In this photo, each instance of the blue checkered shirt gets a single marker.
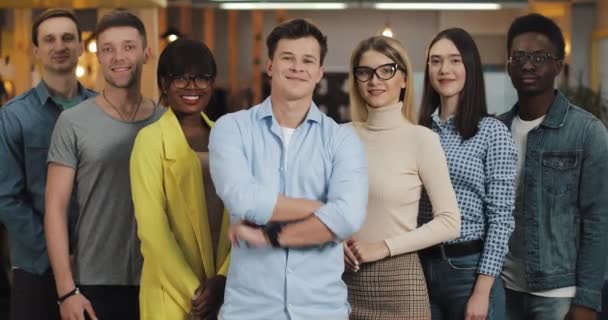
(482, 170)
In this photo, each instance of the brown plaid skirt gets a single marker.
(393, 288)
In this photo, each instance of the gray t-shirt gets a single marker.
(99, 147)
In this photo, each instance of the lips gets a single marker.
(375, 92)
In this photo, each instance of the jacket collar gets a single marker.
(556, 116)
(174, 140)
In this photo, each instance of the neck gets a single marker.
(123, 98)
(61, 85)
(190, 120)
(290, 114)
(534, 106)
(449, 106)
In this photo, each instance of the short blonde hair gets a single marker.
(395, 51)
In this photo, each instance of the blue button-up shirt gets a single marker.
(26, 124)
(326, 162)
(482, 171)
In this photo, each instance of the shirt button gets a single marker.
(290, 305)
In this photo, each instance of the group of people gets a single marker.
(119, 206)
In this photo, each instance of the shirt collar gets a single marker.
(437, 120)
(42, 91)
(314, 114)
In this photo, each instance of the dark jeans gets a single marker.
(525, 306)
(604, 314)
(451, 282)
(33, 297)
(113, 302)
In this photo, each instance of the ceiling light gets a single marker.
(283, 6)
(436, 6)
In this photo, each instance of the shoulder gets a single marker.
(492, 125)
(21, 104)
(422, 134)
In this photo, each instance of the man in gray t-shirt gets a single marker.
(89, 153)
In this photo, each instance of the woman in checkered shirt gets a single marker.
(463, 275)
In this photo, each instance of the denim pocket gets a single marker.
(464, 263)
(559, 172)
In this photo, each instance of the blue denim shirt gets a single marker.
(565, 202)
(26, 124)
(250, 168)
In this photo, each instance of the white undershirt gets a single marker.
(514, 273)
(286, 134)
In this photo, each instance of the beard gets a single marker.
(132, 80)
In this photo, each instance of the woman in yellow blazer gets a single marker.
(181, 222)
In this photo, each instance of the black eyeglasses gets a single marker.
(536, 59)
(182, 81)
(383, 72)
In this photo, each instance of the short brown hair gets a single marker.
(121, 18)
(54, 13)
(296, 29)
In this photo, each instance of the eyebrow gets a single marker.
(452, 55)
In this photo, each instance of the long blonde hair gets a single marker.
(395, 51)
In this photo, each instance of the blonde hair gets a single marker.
(395, 51)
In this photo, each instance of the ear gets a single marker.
(35, 50)
(404, 82)
(269, 67)
(559, 66)
(147, 54)
(81, 48)
(321, 73)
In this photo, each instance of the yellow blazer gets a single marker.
(172, 222)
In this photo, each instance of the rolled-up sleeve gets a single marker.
(344, 211)
(243, 196)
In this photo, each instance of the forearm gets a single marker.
(308, 232)
(56, 231)
(483, 284)
(293, 209)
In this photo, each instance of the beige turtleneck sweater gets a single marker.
(402, 159)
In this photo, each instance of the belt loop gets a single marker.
(442, 251)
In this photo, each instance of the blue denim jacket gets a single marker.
(26, 124)
(565, 202)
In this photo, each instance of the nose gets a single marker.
(443, 67)
(527, 64)
(296, 66)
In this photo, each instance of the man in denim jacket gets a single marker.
(557, 254)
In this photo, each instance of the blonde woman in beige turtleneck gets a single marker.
(384, 275)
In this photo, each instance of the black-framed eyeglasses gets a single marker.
(383, 72)
(182, 81)
(536, 59)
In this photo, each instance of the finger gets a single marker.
(349, 254)
(89, 310)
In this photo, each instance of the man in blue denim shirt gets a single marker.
(285, 165)
(26, 124)
(557, 254)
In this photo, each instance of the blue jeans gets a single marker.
(525, 306)
(450, 284)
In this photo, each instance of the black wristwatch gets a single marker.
(272, 231)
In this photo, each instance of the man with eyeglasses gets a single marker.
(295, 184)
(557, 253)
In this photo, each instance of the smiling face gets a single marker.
(121, 54)
(58, 45)
(377, 92)
(527, 78)
(295, 68)
(447, 72)
(186, 95)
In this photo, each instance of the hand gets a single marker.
(74, 307)
(477, 307)
(350, 260)
(206, 303)
(254, 237)
(369, 252)
(581, 313)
